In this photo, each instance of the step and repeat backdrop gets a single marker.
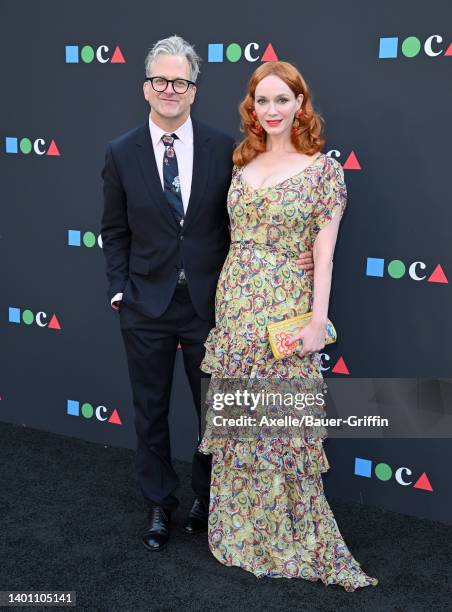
(72, 76)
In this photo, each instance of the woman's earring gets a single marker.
(296, 123)
(257, 126)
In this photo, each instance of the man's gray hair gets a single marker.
(174, 45)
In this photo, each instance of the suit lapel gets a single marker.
(201, 160)
(148, 165)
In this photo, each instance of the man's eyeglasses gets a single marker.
(160, 84)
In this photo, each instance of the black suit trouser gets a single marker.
(151, 346)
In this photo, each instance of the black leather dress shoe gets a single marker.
(197, 517)
(157, 533)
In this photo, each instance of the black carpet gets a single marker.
(71, 517)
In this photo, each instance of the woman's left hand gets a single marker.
(312, 337)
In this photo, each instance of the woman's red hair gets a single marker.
(308, 138)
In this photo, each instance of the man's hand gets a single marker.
(306, 263)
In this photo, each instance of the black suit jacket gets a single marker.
(142, 242)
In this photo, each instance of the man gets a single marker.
(165, 238)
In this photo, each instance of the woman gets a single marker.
(268, 513)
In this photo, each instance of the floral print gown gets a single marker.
(268, 512)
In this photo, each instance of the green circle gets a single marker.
(87, 410)
(25, 145)
(87, 54)
(28, 317)
(89, 239)
(234, 52)
(396, 268)
(411, 46)
(383, 471)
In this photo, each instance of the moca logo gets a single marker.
(340, 367)
(384, 472)
(234, 52)
(351, 163)
(397, 269)
(16, 315)
(411, 46)
(87, 410)
(26, 146)
(87, 53)
(88, 239)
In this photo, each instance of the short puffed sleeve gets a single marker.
(331, 195)
(235, 171)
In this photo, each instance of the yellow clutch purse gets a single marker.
(279, 332)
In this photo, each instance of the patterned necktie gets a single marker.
(171, 179)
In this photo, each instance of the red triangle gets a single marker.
(269, 54)
(179, 346)
(438, 276)
(340, 367)
(53, 149)
(423, 483)
(54, 324)
(449, 50)
(117, 57)
(352, 162)
(115, 418)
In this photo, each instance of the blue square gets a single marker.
(73, 237)
(215, 52)
(73, 407)
(10, 144)
(388, 47)
(71, 54)
(375, 266)
(363, 467)
(14, 315)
